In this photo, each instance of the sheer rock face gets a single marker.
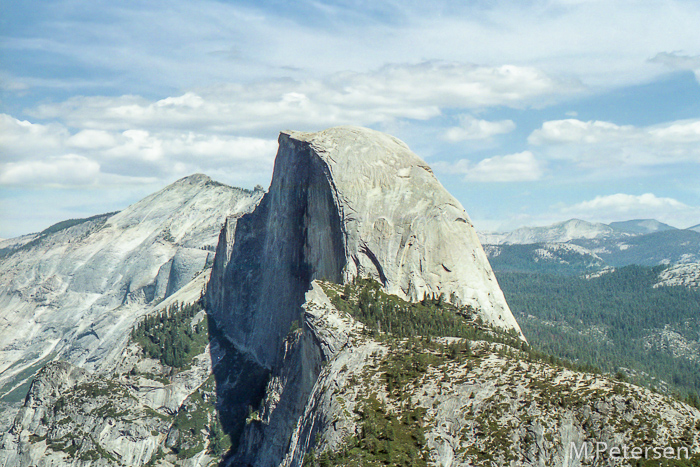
(345, 202)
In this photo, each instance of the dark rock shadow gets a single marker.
(239, 384)
(261, 273)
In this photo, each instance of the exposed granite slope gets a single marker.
(127, 415)
(74, 293)
(343, 202)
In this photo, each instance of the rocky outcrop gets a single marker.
(456, 403)
(680, 275)
(74, 291)
(292, 392)
(287, 375)
(132, 413)
(346, 202)
(72, 417)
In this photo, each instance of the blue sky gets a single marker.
(529, 112)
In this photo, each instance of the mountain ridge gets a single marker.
(59, 289)
(575, 229)
(640, 226)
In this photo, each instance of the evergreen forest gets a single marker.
(170, 336)
(617, 322)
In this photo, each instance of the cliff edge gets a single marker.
(344, 202)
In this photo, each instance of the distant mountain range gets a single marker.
(577, 246)
(623, 296)
(574, 229)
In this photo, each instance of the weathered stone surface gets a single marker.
(495, 403)
(292, 392)
(75, 293)
(685, 275)
(123, 415)
(344, 202)
(69, 410)
(399, 224)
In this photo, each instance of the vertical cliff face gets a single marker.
(344, 202)
(292, 237)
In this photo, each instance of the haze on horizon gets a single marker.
(529, 112)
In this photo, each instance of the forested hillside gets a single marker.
(617, 322)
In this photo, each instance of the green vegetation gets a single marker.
(63, 225)
(197, 422)
(170, 337)
(433, 316)
(521, 258)
(392, 430)
(607, 322)
(385, 438)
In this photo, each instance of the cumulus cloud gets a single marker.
(91, 139)
(600, 143)
(20, 138)
(47, 155)
(520, 167)
(621, 206)
(391, 92)
(229, 127)
(181, 153)
(579, 132)
(471, 128)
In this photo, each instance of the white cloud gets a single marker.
(392, 92)
(227, 129)
(676, 61)
(520, 167)
(70, 169)
(605, 144)
(623, 206)
(683, 132)
(44, 155)
(578, 132)
(174, 153)
(91, 139)
(20, 138)
(471, 128)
